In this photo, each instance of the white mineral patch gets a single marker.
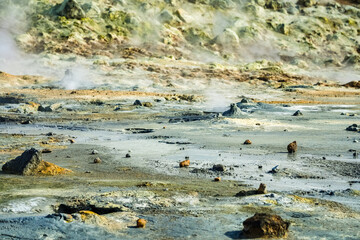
(32, 205)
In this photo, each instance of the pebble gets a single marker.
(128, 155)
(97, 160)
(141, 223)
(94, 152)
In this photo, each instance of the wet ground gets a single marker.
(317, 188)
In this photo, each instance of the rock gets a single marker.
(69, 9)
(25, 164)
(183, 15)
(94, 152)
(128, 155)
(233, 111)
(141, 223)
(292, 147)
(71, 140)
(217, 179)
(26, 122)
(184, 163)
(50, 108)
(97, 160)
(306, 3)
(30, 163)
(297, 113)
(166, 16)
(46, 150)
(227, 38)
(354, 128)
(283, 28)
(262, 189)
(264, 225)
(219, 167)
(247, 142)
(137, 103)
(147, 104)
(352, 84)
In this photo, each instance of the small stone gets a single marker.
(219, 167)
(26, 122)
(262, 189)
(247, 142)
(184, 163)
(97, 160)
(260, 167)
(217, 179)
(137, 103)
(46, 150)
(71, 140)
(94, 152)
(147, 104)
(292, 147)
(141, 223)
(264, 225)
(298, 113)
(128, 155)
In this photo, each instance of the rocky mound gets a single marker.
(234, 111)
(30, 163)
(323, 33)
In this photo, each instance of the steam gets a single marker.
(76, 78)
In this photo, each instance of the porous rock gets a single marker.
(264, 225)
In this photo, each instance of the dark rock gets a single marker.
(128, 155)
(46, 150)
(298, 113)
(262, 189)
(219, 167)
(354, 128)
(233, 111)
(69, 9)
(292, 147)
(264, 225)
(25, 164)
(247, 142)
(137, 103)
(306, 3)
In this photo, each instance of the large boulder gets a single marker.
(24, 164)
(264, 225)
(30, 163)
(69, 9)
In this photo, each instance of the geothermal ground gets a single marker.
(110, 96)
(316, 189)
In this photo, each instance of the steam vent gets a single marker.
(133, 119)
